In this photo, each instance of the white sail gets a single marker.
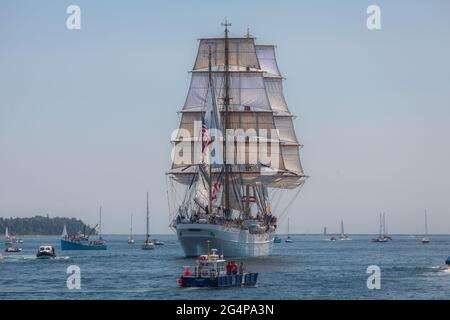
(267, 60)
(285, 126)
(6, 233)
(291, 159)
(245, 89)
(64, 233)
(131, 228)
(274, 89)
(241, 52)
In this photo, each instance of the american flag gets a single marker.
(206, 139)
(215, 189)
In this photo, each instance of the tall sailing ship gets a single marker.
(234, 119)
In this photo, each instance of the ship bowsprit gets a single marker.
(231, 242)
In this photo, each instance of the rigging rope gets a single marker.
(290, 202)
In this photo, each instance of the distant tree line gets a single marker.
(40, 225)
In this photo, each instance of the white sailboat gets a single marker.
(288, 239)
(343, 236)
(148, 243)
(130, 238)
(382, 237)
(425, 239)
(8, 239)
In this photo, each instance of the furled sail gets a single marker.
(241, 52)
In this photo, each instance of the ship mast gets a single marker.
(210, 172)
(226, 104)
(100, 224)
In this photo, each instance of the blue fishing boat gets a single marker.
(81, 241)
(215, 272)
(447, 262)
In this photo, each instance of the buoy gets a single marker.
(180, 282)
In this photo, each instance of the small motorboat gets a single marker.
(158, 243)
(333, 239)
(46, 252)
(215, 272)
(13, 249)
(277, 239)
(447, 262)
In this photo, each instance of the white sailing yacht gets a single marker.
(148, 243)
(130, 238)
(288, 239)
(425, 239)
(343, 236)
(382, 237)
(8, 239)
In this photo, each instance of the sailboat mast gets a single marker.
(342, 227)
(210, 172)
(426, 223)
(100, 223)
(148, 221)
(381, 225)
(131, 227)
(226, 104)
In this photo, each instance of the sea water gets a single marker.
(309, 268)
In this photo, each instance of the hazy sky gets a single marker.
(86, 116)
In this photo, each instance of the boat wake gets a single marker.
(30, 258)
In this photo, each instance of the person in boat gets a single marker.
(231, 267)
(241, 267)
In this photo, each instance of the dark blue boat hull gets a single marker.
(69, 245)
(234, 280)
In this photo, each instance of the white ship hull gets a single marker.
(230, 242)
